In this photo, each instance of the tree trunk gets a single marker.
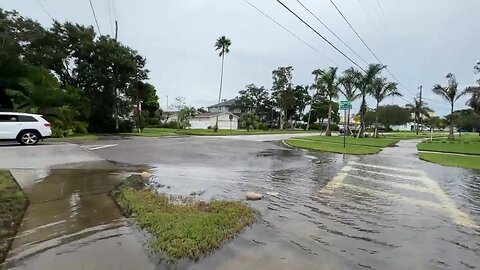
(363, 109)
(308, 121)
(376, 122)
(328, 132)
(416, 123)
(219, 94)
(450, 134)
(281, 119)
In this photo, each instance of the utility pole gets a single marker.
(421, 104)
(117, 124)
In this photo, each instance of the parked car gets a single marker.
(27, 129)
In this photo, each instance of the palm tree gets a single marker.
(419, 108)
(223, 45)
(326, 82)
(349, 82)
(365, 85)
(381, 89)
(451, 94)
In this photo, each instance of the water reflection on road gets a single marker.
(330, 212)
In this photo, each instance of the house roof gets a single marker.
(209, 115)
(229, 102)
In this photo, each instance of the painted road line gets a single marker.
(390, 196)
(337, 181)
(387, 168)
(459, 216)
(393, 184)
(102, 147)
(409, 178)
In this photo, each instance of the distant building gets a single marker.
(226, 120)
(171, 116)
(224, 106)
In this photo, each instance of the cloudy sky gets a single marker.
(420, 41)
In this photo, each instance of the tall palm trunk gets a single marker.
(280, 118)
(219, 94)
(363, 109)
(328, 132)
(376, 122)
(450, 134)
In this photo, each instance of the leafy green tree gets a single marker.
(349, 83)
(253, 99)
(474, 101)
(327, 84)
(419, 109)
(223, 45)
(451, 94)
(435, 122)
(282, 91)
(381, 89)
(249, 120)
(392, 115)
(365, 87)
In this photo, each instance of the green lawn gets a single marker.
(376, 142)
(447, 147)
(158, 132)
(466, 137)
(469, 162)
(12, 207)
(181, 227)
(333, 147)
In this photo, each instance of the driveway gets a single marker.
(387, 211)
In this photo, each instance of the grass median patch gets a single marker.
(325, 146)
(181, 227)
(451, 147)
(469, 162)
(13, 203)
(375, 142)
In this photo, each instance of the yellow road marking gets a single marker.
(337, 181)
(459, 216)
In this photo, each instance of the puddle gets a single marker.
(72, 223)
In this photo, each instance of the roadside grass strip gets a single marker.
(453, 160)
(181, 227)
(333, 147)
(422, 183)
(13, 204)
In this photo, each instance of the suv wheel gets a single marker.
(28, 138)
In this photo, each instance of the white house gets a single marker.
(224, 106)
(226, 120)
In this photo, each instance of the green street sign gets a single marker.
(345, 105)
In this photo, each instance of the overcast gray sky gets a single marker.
(420, 41)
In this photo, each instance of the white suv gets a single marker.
(24, 128)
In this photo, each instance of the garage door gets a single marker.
(226, 124)
(199, 124)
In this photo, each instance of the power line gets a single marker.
(331, 31)
(368, 47)
(45, 10)
(371, 20)
(320, 35)
(95, 16)
(290, 32)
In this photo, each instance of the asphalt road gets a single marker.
(387, 211)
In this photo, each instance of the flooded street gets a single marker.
(320, 210)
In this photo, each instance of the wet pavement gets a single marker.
(325, 211)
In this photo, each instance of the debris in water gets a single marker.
(252, 196)
(146, 175)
